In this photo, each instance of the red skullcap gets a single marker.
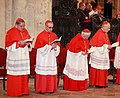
(19, 19)
(87, 3)
(86, 31)
(117, 15)
(104, 22)
(81, 3)
(47, 21)
(99, 7)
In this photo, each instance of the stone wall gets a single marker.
(2, 22)
(34, 12)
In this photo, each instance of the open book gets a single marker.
(115, 44)
(56, 40)
(29, 40)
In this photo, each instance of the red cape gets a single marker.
(14, 35)
(99, 39)
(78, 44)
(45, 38)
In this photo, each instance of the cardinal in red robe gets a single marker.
(76, 67)
(17, 63)
(46, 65)
(99, 59)
(117, 60)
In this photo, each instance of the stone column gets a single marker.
(2, 23)
(34, 12)
(8, 14)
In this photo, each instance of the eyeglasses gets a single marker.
(49, 27)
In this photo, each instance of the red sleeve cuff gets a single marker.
(17, 45)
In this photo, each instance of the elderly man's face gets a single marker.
(86, 35)
(21, 26)
(106, 27)
(49, 27)
(83, 7)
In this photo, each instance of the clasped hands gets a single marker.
(109, 46)
(84, 53)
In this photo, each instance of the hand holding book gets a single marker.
(115, 44)
(56, 40)
(54, 45)
(29, 40)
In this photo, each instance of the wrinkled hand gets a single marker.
(86, 17)
(21, 43)
(109, 46)
(84, 53)
(28, 44)
(54, 45)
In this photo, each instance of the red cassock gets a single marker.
(17, 85)
(45, 82)
(98, 77)
(76, 45)
(118, 69)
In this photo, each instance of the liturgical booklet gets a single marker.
(115, 44)
(56, 40)
(29, 40)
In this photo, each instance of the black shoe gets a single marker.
(41, 92)
(105, 86)
(91, 86)
(101, 86)
(51, 92)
